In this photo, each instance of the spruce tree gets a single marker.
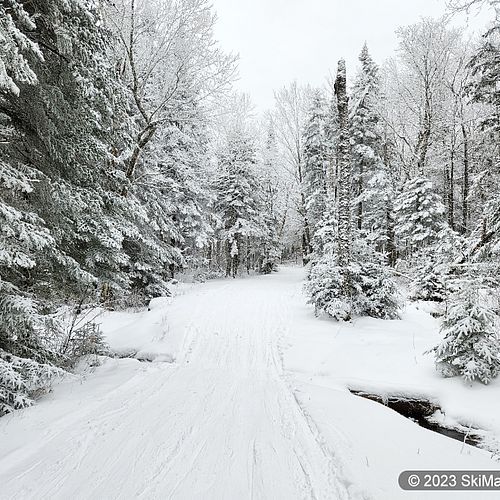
(349, 278)
(366, 141)
(16, 47)
(47, 87)
(429, 284)
(237, 202)
(419, 215)
(485, 67)
(372, 181)
(317, 155)
(273, 202)
(470, 347)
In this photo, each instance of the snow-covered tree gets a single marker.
(419, 214)
(54, 104)
(16, 48)
(274, 199)
(165, 50)
(317, 156)
(344, 230)
(365, 136)
(172, 184)
(470, 347)
(290, 115)
(237, 202)
(20, 377)
(371, 290)
(430, 283)
(485, 66)
(372, 181)
(348, 278)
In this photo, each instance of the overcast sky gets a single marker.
(282, 40)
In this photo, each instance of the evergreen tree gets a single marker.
(317, 154)
(348, 278)
(171, 183)
(16, 47)
(419, 214)
(372, 182)
(430, 283)
(274, 211)
(237, 202)
(371, 290)
(185, 168)
(365, 136)
(470, 346)
(50, 98)
(485, 66)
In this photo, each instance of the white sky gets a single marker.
(282, 40)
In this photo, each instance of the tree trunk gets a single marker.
(142, 140)
(344, 170)
(306, 236)
(451, 190)
(466, 181)
(359, 215)
(390, 231)
(449, 175)
(424, 135)
(229, 259)
(248, 255)
(391, 239)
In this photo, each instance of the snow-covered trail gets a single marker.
(219, 423)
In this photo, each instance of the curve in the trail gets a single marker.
(220, 423)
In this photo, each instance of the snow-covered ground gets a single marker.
(246, 397)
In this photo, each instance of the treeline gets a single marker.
(114, 173)
(126, 158)
(399, 177)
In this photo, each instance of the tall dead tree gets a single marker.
(344, 169)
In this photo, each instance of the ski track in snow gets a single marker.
(220, 423)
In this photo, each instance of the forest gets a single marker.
(126, 158)
(130, 162)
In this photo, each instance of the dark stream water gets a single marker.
(420, 411)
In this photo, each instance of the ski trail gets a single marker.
(220, 423)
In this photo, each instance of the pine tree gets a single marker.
(58, 228)
(470, 347)
(485, 66)
(419, 214)
(237, 202)
(330, 285)
(430, 284)
(185, 168)
(371, 290)
(372, 182)
(16, 47)
(366, 142)
(348, 278)
(317, 155)
(171, 184)
(273, 202)
(344, 235)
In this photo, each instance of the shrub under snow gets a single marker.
(471, 346)
(20, 378)
(429, 284)
(35, 347)
(364, 289)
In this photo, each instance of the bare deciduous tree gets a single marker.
(292, 103)
(167, 54)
